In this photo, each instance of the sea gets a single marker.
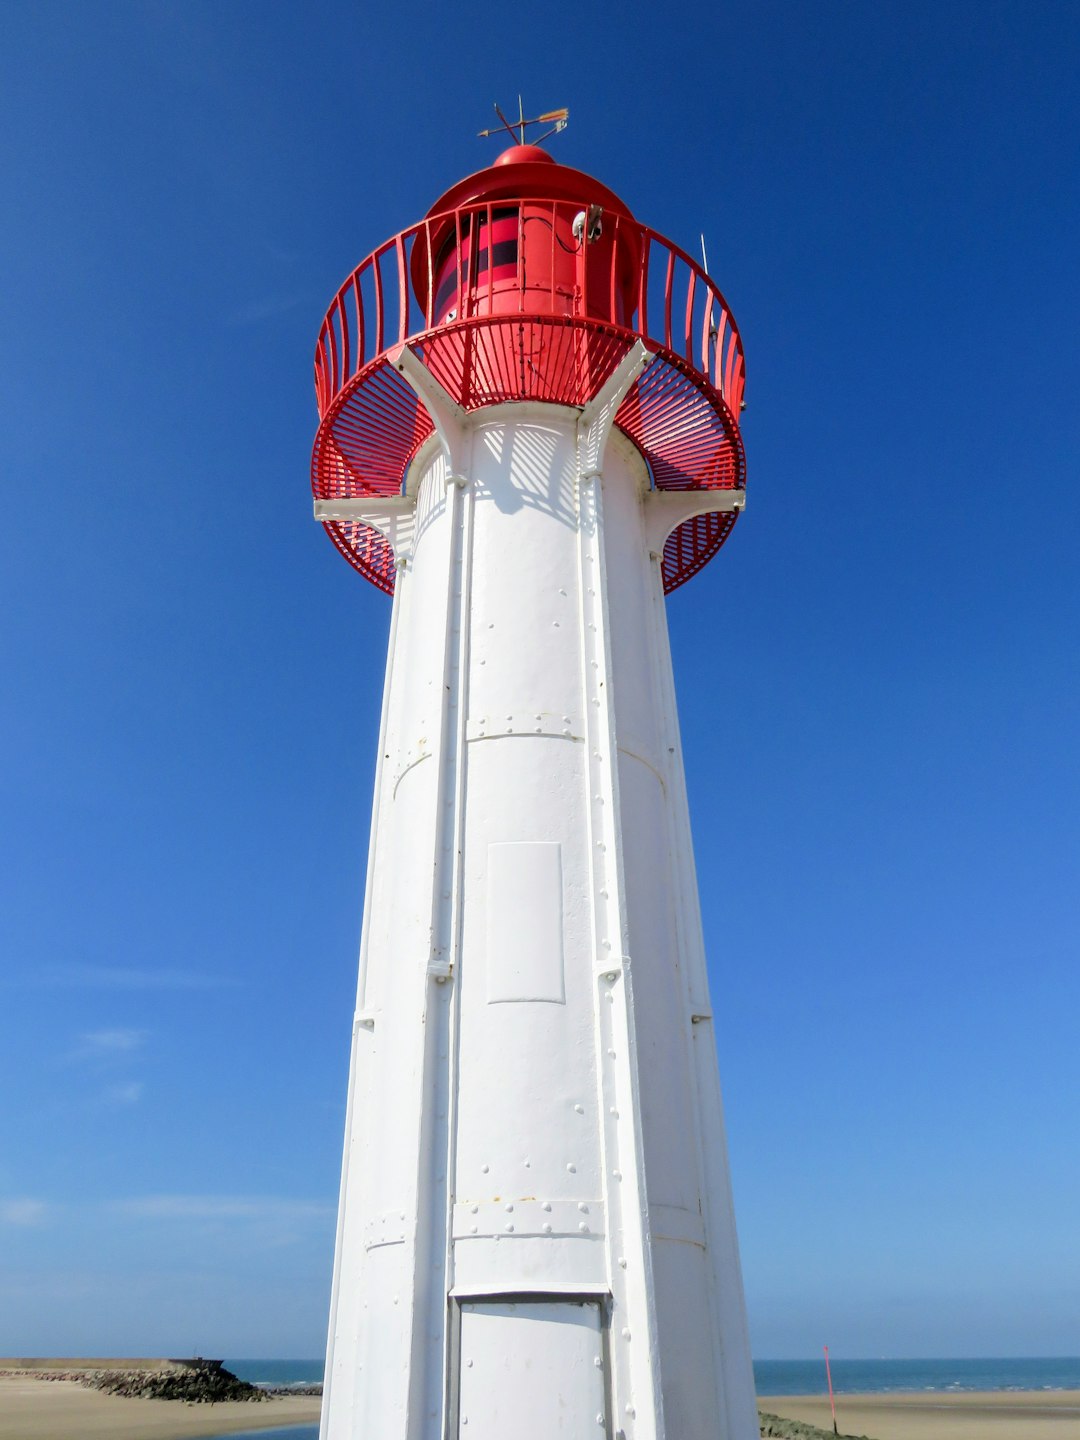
(773, 1377)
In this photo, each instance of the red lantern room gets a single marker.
(548, 257)
(529, 281)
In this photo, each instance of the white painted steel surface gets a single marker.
(534, 1107)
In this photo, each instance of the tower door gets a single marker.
(532, 1369)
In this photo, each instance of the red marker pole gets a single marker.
(832, 1399)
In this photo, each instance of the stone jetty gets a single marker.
(197, 1381)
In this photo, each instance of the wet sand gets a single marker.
(65, 1410)
(939, 1415)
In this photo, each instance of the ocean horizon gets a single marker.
(801, 1377)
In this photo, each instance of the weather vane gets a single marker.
(517, 128)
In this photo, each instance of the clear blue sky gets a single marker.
(878, 676)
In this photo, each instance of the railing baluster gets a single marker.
(613, 310)
(689, 325)
(585, 265)
(361, 335)
(335, 378)
(346, 354)
(321, 396)
(551, 266)
(706, 331)
(643, 285)
(429, 312)
(491, 257)
(738, 386)
(520, 256)
(376, 275)
(668, 282)
(716, 374)
(461, 270)
(403, 288)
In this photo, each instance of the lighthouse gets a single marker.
(529, 434)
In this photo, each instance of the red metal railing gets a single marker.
(529, 300)
(676, 307)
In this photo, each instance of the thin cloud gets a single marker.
(105, 1050)
(109, 977)
(104, 1044)
(221, 1207)
(22, 1212)
(265, 309)
(100, 1053)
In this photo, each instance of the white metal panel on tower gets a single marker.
(531, 1369)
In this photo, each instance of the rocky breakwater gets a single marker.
(196, 1382)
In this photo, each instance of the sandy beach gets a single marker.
(33, 1409)
(939, 1415)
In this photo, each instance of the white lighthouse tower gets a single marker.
(529, 433)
